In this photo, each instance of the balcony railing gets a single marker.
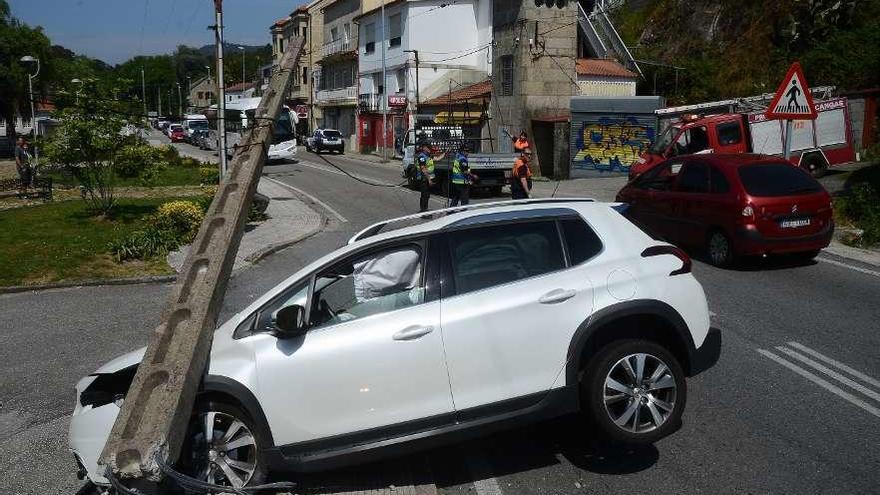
(371, 102)
(338, 46)
(342, 95)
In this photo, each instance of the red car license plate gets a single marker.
(794, 223)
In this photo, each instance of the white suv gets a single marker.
(434, 327)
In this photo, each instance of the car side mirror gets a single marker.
(289, 321)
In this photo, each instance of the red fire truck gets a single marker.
(815, 146)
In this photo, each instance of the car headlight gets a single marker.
(107, 388)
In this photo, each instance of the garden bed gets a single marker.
(63, 242)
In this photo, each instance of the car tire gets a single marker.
(642, 414)
(719, 249)
(209, 462)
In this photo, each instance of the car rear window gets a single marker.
(332, 134)
(777, 179)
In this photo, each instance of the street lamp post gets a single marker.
(34, 128)
(29, 59)
(241, 48)
(179, 101)
(77, 81)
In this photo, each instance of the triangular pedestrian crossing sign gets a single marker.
(793, 99)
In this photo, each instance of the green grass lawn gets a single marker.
(63, 242)
(171, 176)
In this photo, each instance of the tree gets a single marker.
(16, 41)
(87, 142)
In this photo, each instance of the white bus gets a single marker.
(240, 116)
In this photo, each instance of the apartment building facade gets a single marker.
(454, 46)
(299, 97)
(336, 65)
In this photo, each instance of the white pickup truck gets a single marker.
(492, 169)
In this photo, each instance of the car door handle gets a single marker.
(413, 332)
(557, 296)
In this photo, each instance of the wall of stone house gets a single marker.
(542, 43)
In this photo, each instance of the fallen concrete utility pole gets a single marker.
(157, 409)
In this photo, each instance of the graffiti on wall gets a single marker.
(611, 143)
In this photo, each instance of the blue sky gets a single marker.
(116, 30)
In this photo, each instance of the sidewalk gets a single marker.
(290, 221)
(600, 188)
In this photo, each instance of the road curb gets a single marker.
(274, 248)
(89, 283)
(864, 256)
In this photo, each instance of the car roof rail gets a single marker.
(428, 216)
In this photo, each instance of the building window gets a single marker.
(199, 95)
(401, 80)
(305, 75)
(346, 33)
(377, 83)
(506, 75)
(334, 34)
(281, 45)
(370, 38)
(395, 30)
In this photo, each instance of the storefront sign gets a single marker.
(396, 101)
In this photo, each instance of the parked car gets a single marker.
(200, 138)
(176, 133)
(162, 124)
(548, 307)
(326, 140)
(732, 205)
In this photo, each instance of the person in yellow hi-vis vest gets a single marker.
(425, 175)
(462, 178)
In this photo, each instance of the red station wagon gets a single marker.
(732, 205)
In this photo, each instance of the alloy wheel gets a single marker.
(719, 249)
(224, 450)
(640, 393)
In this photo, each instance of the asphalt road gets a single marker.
(793, 406)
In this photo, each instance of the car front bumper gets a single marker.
(88, 433)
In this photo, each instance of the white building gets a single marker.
(453, 41)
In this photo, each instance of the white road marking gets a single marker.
(837, 364)
(851, 267)
(833, 374)
(316, 200)
(852, 399)
(484, 482)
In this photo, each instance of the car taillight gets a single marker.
(674, 251)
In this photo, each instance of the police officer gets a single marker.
(461, 178)
(425, 175)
